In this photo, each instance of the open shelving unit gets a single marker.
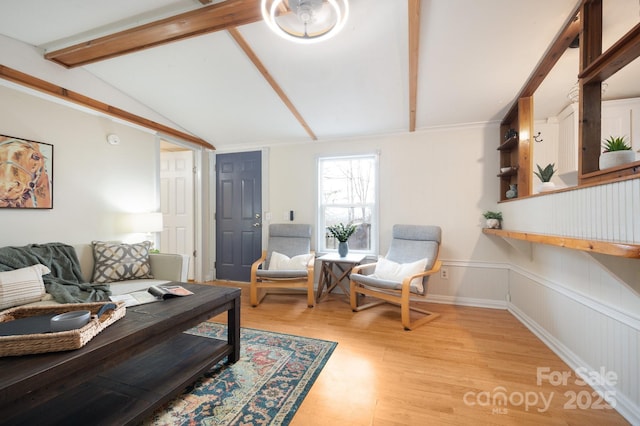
(515, 149)
(611, 248)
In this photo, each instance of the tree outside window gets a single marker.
(347, 188)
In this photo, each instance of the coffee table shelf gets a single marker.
(128, 370)
(126, 393)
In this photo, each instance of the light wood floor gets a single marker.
(446, 372)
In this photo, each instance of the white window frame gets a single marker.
(374, 207)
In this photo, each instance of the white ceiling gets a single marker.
(475, 55)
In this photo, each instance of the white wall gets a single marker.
(95, 183)
(442, 177)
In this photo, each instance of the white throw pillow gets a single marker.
(282, 262)
(389, 270)
(22, 286)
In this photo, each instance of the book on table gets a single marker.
(155, 293)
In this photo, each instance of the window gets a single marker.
(348, 194)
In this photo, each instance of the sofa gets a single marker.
(164, 268)
(83, 272)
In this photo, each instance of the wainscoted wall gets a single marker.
(480, 284)
(584, 333)
(604, 212)
(585, 307)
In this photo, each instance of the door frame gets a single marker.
(199, 195)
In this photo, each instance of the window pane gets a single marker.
(348, 181)
(347, 194)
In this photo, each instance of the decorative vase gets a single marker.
(343, 249)
(493, 223)
(547, 186)
(512, 192)
(616, 158)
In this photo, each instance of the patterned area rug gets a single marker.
(265, 387)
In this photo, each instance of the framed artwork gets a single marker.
(26, 174)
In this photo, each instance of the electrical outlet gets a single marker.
(444, 273)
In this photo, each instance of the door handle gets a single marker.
(258, 223)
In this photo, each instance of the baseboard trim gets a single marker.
(467, 301)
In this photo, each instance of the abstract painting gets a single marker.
(26, 174)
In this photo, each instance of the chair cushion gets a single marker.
(290, 230)
(393, 271)
(414, 242)
(281, 274)
(24, 285)
(290, 239)
(371, 281)
(280, 262)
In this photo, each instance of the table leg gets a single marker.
(323, 281)
(233, 331)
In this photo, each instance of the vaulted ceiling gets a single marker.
(242, 86)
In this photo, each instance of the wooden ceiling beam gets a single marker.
(414, 47)
(207, 19)
(272, 82)
(621, 54)
(51, 89)
(560, 44)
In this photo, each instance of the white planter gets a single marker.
(547, 186)
(616, 158)
(493, 223)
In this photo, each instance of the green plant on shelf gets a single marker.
(492, 215)
(545, 174)
(615, 144)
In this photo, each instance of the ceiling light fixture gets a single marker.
(305, 21)
(574, 92)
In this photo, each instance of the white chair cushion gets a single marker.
(393, 271)
(281, 262)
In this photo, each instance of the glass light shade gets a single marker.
(305, 21)
(146, 222)
(574, 92)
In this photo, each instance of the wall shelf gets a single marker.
(509, 144)
(630, 251)
(513, 171)
(515, 149)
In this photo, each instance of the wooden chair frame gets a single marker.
(402, 297)
(258, 285)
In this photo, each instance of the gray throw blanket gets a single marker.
(65, 282)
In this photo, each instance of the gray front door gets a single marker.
(238, 214)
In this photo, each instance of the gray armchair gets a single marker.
(292, 265)
(414, 250)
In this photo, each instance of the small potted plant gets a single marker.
(342, 232)
(494, 219)
(545, 176)
(616, 152)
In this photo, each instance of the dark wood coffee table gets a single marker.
(123, 374)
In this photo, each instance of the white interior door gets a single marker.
(177, 204)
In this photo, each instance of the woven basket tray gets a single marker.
(60, 341)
